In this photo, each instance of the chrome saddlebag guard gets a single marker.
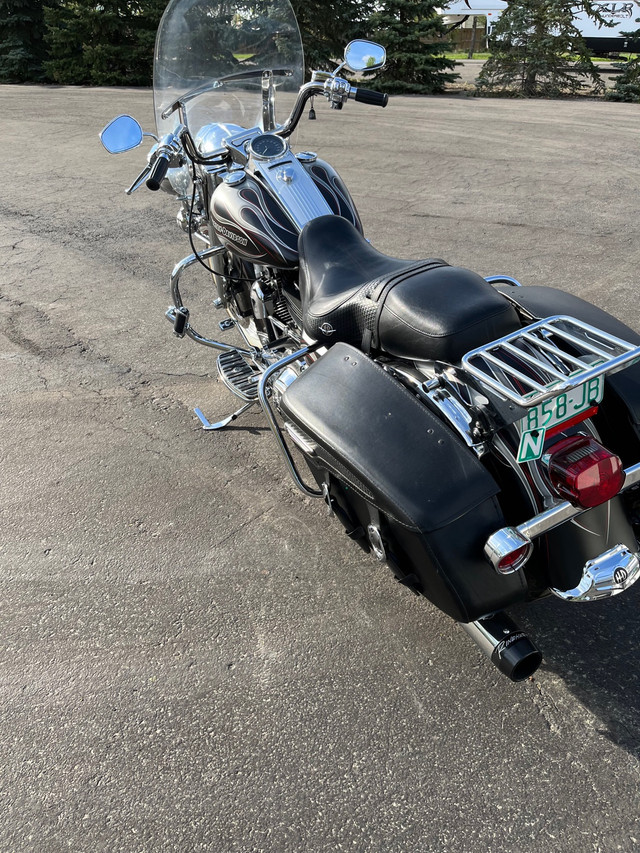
(435, 502)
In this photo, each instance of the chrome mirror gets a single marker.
(122, 134)
(362, 55)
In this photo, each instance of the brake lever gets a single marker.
(139, 180)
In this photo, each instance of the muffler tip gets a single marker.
(508, 648)
(516, 656)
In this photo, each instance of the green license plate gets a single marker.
(558, 410)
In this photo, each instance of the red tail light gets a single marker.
(514, 559)
(584, 472)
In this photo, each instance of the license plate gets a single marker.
(541, 419)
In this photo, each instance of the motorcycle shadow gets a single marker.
(251, 429)
(593, 648)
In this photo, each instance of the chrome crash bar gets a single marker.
(178, 315)
(263, 397)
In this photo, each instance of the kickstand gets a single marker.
(222, 424)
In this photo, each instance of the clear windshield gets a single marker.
(202, 42)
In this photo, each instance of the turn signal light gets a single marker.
(508, 550)
(514, 559)
(584, 472)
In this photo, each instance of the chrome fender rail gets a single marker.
(608, 574)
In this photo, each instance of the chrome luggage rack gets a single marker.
(544, 369)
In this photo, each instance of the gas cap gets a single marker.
(286, 175)
(234, 178)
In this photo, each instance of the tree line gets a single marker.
(536, 49)
(111, 42)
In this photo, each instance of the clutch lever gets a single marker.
(139, 180)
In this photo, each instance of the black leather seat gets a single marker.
(412, 309)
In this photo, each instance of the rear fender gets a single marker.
(569, 547)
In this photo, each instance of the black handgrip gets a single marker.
(158, 172)
(368, 96)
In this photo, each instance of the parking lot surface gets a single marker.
(193, 657)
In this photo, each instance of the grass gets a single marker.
(461, 56)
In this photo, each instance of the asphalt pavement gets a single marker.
(193, 657)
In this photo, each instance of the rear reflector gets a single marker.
(584, 472)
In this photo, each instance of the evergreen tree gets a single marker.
(537, 51)
(413, 34)
(627, 85)
(327, 26)
(22, 48)
(105, 44)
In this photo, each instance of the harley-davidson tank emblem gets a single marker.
(230, 235)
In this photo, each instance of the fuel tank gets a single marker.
(332, 187)
(259, 216)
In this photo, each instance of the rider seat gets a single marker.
(419, 310)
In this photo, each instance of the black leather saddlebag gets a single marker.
(618, 420)
(399, 467)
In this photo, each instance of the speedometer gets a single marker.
(268, 146)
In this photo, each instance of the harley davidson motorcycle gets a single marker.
(479, 437)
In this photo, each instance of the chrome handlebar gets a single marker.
(336, 90)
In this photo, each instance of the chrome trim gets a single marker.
(441, 393)
(234, 178)
(455, 413)
(295, 190)
(309, 90)
(223, 423)
(376, 542)
(548, 520)
(507, 279)
(189, 331)
(268, 102)
(337, 91)
(139, 181)
(238, 376)
(273, 423)
(486, 364)
(305, 444)
(280, 385)
(609, 574)
(260, 304)
(504, 542)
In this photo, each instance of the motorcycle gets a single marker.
(479, 437)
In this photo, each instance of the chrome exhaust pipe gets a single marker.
(505, 645)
